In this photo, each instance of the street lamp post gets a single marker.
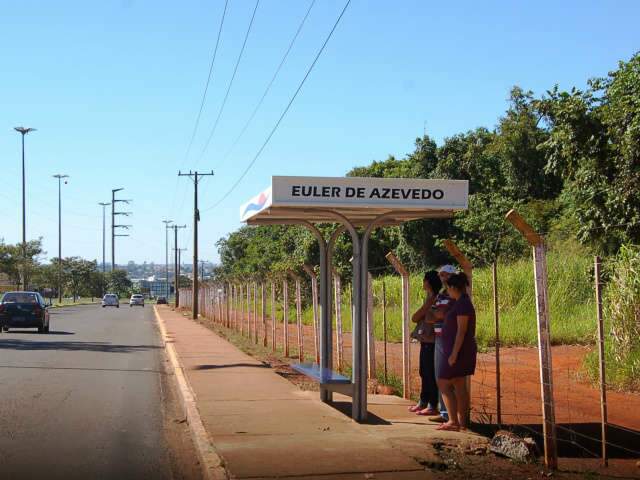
(23, 131)
(103, 205)
(166, 255)
(60, 178)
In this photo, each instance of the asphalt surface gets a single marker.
(85, 400)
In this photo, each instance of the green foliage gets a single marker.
(594, 143)
(14, 262)
(118, 282)
(622, 321)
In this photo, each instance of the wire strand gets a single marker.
(206, 87)
(273, 130)
(273, 78)
(233, 76)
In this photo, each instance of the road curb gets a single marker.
(211, 463)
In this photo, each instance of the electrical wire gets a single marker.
(202, 102)
(273, 78)
(206, 87)
(273, 130)
(233, 76)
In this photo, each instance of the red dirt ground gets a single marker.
(576, 400)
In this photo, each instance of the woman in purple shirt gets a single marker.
(457, 353)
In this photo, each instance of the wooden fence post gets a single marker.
(496, 317)
(241, 302)
(299, 317)
(273, 316)
(263, 318)
(601, 358)
(285, 309)
(338, 305)
(384, 327)
(406, 353)
(544, 337)
(371, 329)
(248, 319)
(314, 300)
(255, 312)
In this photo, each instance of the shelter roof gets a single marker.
(359, 199)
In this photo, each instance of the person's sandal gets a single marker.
(427, 412)
(448, 427)
(415, 408)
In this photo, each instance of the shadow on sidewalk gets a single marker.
(229, 365)
(345, 408)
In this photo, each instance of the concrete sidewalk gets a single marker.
(263, 426)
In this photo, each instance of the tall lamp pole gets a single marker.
(23, 131)
(104, 205)
(166, 255)
(60, 178)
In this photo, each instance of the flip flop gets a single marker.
(415, 408)
(427, 412)
(448, 427)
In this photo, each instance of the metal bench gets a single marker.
(328, 379)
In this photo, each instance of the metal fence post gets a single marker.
(544, 337)
(601, 358)
(371, 328)
(314, 300)
(338, 306)
(406, 353)
(285, 309)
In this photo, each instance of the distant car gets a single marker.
(161, 301)
(24, 310)
(136, 299)
(110, 300)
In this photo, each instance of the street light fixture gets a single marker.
(23, 131)
(60, 178)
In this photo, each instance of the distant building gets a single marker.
(153, 287)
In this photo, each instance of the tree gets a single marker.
(15, 263)
(594, 143)
(118, 282)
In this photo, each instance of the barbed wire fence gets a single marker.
(506, 388)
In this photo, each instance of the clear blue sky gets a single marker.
(114, 87)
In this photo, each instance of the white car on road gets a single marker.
(110, 300)
(136, 299)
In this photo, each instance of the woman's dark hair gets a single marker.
(432, 278)
(458, 281)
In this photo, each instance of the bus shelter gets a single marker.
(357, 205)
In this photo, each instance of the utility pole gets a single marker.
(166, 255)
(60, 177)
(23, 131)
(104, 231)
(176, 273)
(196, 177)
(202, 262)
(115, 200)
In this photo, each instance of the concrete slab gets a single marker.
(266, 417)
(307, 454)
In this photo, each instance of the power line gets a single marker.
(273, 78)
(255, 158)
(206, 87)
(233, 76)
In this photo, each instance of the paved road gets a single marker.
(86, 400)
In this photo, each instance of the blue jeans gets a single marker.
(443, 407)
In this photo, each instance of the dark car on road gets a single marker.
(24, 310)
(161, 301)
